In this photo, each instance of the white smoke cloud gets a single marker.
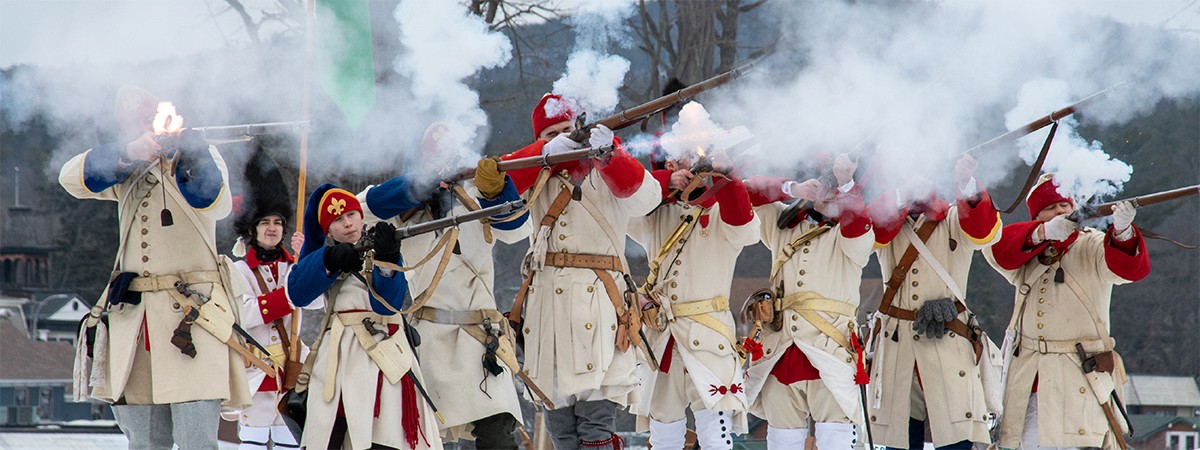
(695, 129)
(1082, 168)
(594, 75)
(911, 85)
(444, 45)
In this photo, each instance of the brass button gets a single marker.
(145, 273)
(587, 326)
(145, 231)
(1042, 290)
(264, 302)
(794, 329)
(768, 351)
(674, 284)
(145, 258)
(807, 243)
(720, 346)
(175, 306)
(968, 415)
(526, 331)
(914, 271)
(951, 334)
(801, 271)
(916, 337)
(563, 223)
(1041, 300)
(696, 343)
(590, 366)
(675, 272)
(795, 317)
(962, 373)
(1041, 313)
(591, 288)
(1045, 280)
(872, 418)
(914, 284)
(145, 244)
(849, 359)
(614, 327)
(1082, 390)
(145, 204)
(806, 251)
(145, 217)
(799, 284)
(915, 297)
(562, 237)
(1081, 432)
(679, 262)
(674, 297)
(557, 290)
(1041, 325)
(274, 338)
(265, 312)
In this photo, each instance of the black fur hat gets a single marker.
(264, 194)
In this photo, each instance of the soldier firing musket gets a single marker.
(1064, 277)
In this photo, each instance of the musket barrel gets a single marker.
(252, 129)
(541, 160)
(633, 115)
(1105, 209)
(449, 221)
(1042, 122)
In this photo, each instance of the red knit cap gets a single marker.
(335, 203)
(1045, 194)
(563, 111)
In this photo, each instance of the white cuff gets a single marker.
(970, 189)
(1125, 235)
(786, 187)
(846, 187)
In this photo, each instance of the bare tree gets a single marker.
(688, 40)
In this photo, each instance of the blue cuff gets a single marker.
(199, 178)
(390, 198)
(308, 279)
(102, 168)
(393, 289)
(508, 194)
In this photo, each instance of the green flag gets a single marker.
(348, 61)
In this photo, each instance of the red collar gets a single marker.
(253, 261)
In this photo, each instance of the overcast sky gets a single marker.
(61, 32)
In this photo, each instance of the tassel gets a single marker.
(239, 248)
(538, 248)
(860, 369)
(410, 419)
(754, 348)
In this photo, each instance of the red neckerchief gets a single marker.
(253, 261)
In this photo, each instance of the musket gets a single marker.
(193, 309)
(1105, 209)
(447, 222)
(543, 160)
(638, 113)
(1041, 122)
(225, 132)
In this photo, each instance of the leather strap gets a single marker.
(1045, 346)
(807, 304)
(556, 209)
(683, 229)
(957, 325)
(472, 205)
(711, 305)
(167, 282)
(788, 251)
(445, 244)
(584, 261)
(447, 317)
(900, 271)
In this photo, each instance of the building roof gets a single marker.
(1159, 390)
(1147, 425)
(29, 360)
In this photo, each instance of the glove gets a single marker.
(1122, 217)
(488, 177)
(807, 190)
(383, 239)
(342, 258)
(932, 317)
(1057, 229)
(601, 136)
(560, 144)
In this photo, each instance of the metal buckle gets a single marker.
(1042, 346)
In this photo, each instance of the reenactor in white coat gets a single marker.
(1064, 373)
(927, 337)
(455, 312)
(365, 385)
(808, 365)
(266, 312)
(577, 327)
(164, 392)
(693, 248)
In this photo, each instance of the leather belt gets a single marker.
(1045, 346)
(447, 317)
(701, 307)
(583, 261)
(167, 282)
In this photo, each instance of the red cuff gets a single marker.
(664, 179)
(766, 190)
(1129, 259)
(886, 216)
(853, 219)
(623, 174)
(274, 305)
(524, 179)
(1012, 250)
(981, 221)
(735, 203)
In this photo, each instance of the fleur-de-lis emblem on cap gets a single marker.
(336, 206)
